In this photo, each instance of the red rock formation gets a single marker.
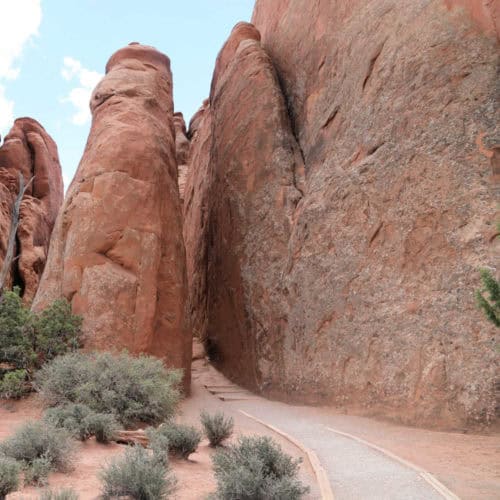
(362, 294)
(196, 204)
(117, 252)
(28, 149)
(181, 151)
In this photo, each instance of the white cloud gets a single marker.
(20, 20)
(6, 111)
(79, 96)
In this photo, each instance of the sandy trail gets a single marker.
(469, 465)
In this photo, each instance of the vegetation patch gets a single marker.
(217, 427)
(256, 469)
(133, 389)
(9, 476)
(178, 439)
(137, 475)
(82, 422)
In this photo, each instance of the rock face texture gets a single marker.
(117, 252)
(29, 150)
(339, 203)
(181, 151)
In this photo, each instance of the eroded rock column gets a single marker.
(117, 252)
(28, 149)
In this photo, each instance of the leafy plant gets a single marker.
(103, 426)
(490, 303)
(256, 469)
(28, 339)
(9, 476)
(133, 389)
(13, 384)
(137, 475)
(217, 427)
(181, 440)
(37, 440)
(82, 422)
(37, 472)
(56, 330)
(71, 417)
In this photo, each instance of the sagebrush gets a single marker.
(82, 422)
(137, 475)
(9, 476)
(133, 389)
(256, 468)
(181, 440)
(37, 440)
(217, 427)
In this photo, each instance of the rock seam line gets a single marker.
(320, 473)
(427, 476)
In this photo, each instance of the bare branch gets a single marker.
(14, 225)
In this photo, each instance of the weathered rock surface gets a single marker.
(353, 283)
(117, 252)
(181, 151)
(29, 150)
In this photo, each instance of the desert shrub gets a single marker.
(67, 494)
(158, 444)
(71, 417)
(217, 427)
(37, 472)
(490, 304)
(182, 440)
(15, 338)
(134, 389)
(138, 475)
(56, 330)
(13, 384)
(28, 339)
(256, 469)
(82, 422)
(9, 476)
(103, 426)
(36, 440)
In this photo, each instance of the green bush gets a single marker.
(103, 426)
(56, 330)
(9, 476)
(133, 389)
(217, 427)
(68, 494)
(15, 335)
(13, 384)
(158, 444)
(256, 469)
(182, 440)
(28, 339)
(36, 440)
(82, 422)
(491, 303)
(38, 471)
(137, 475)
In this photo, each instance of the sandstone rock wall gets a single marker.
(29, 150)
(181, 152)
(117, 252)
(340, 260)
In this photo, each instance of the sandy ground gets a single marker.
(467, 464)
(195, 477)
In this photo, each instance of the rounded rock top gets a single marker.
(144, 53)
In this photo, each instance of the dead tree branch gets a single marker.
(14, 225)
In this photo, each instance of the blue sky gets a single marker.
(52, 52)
